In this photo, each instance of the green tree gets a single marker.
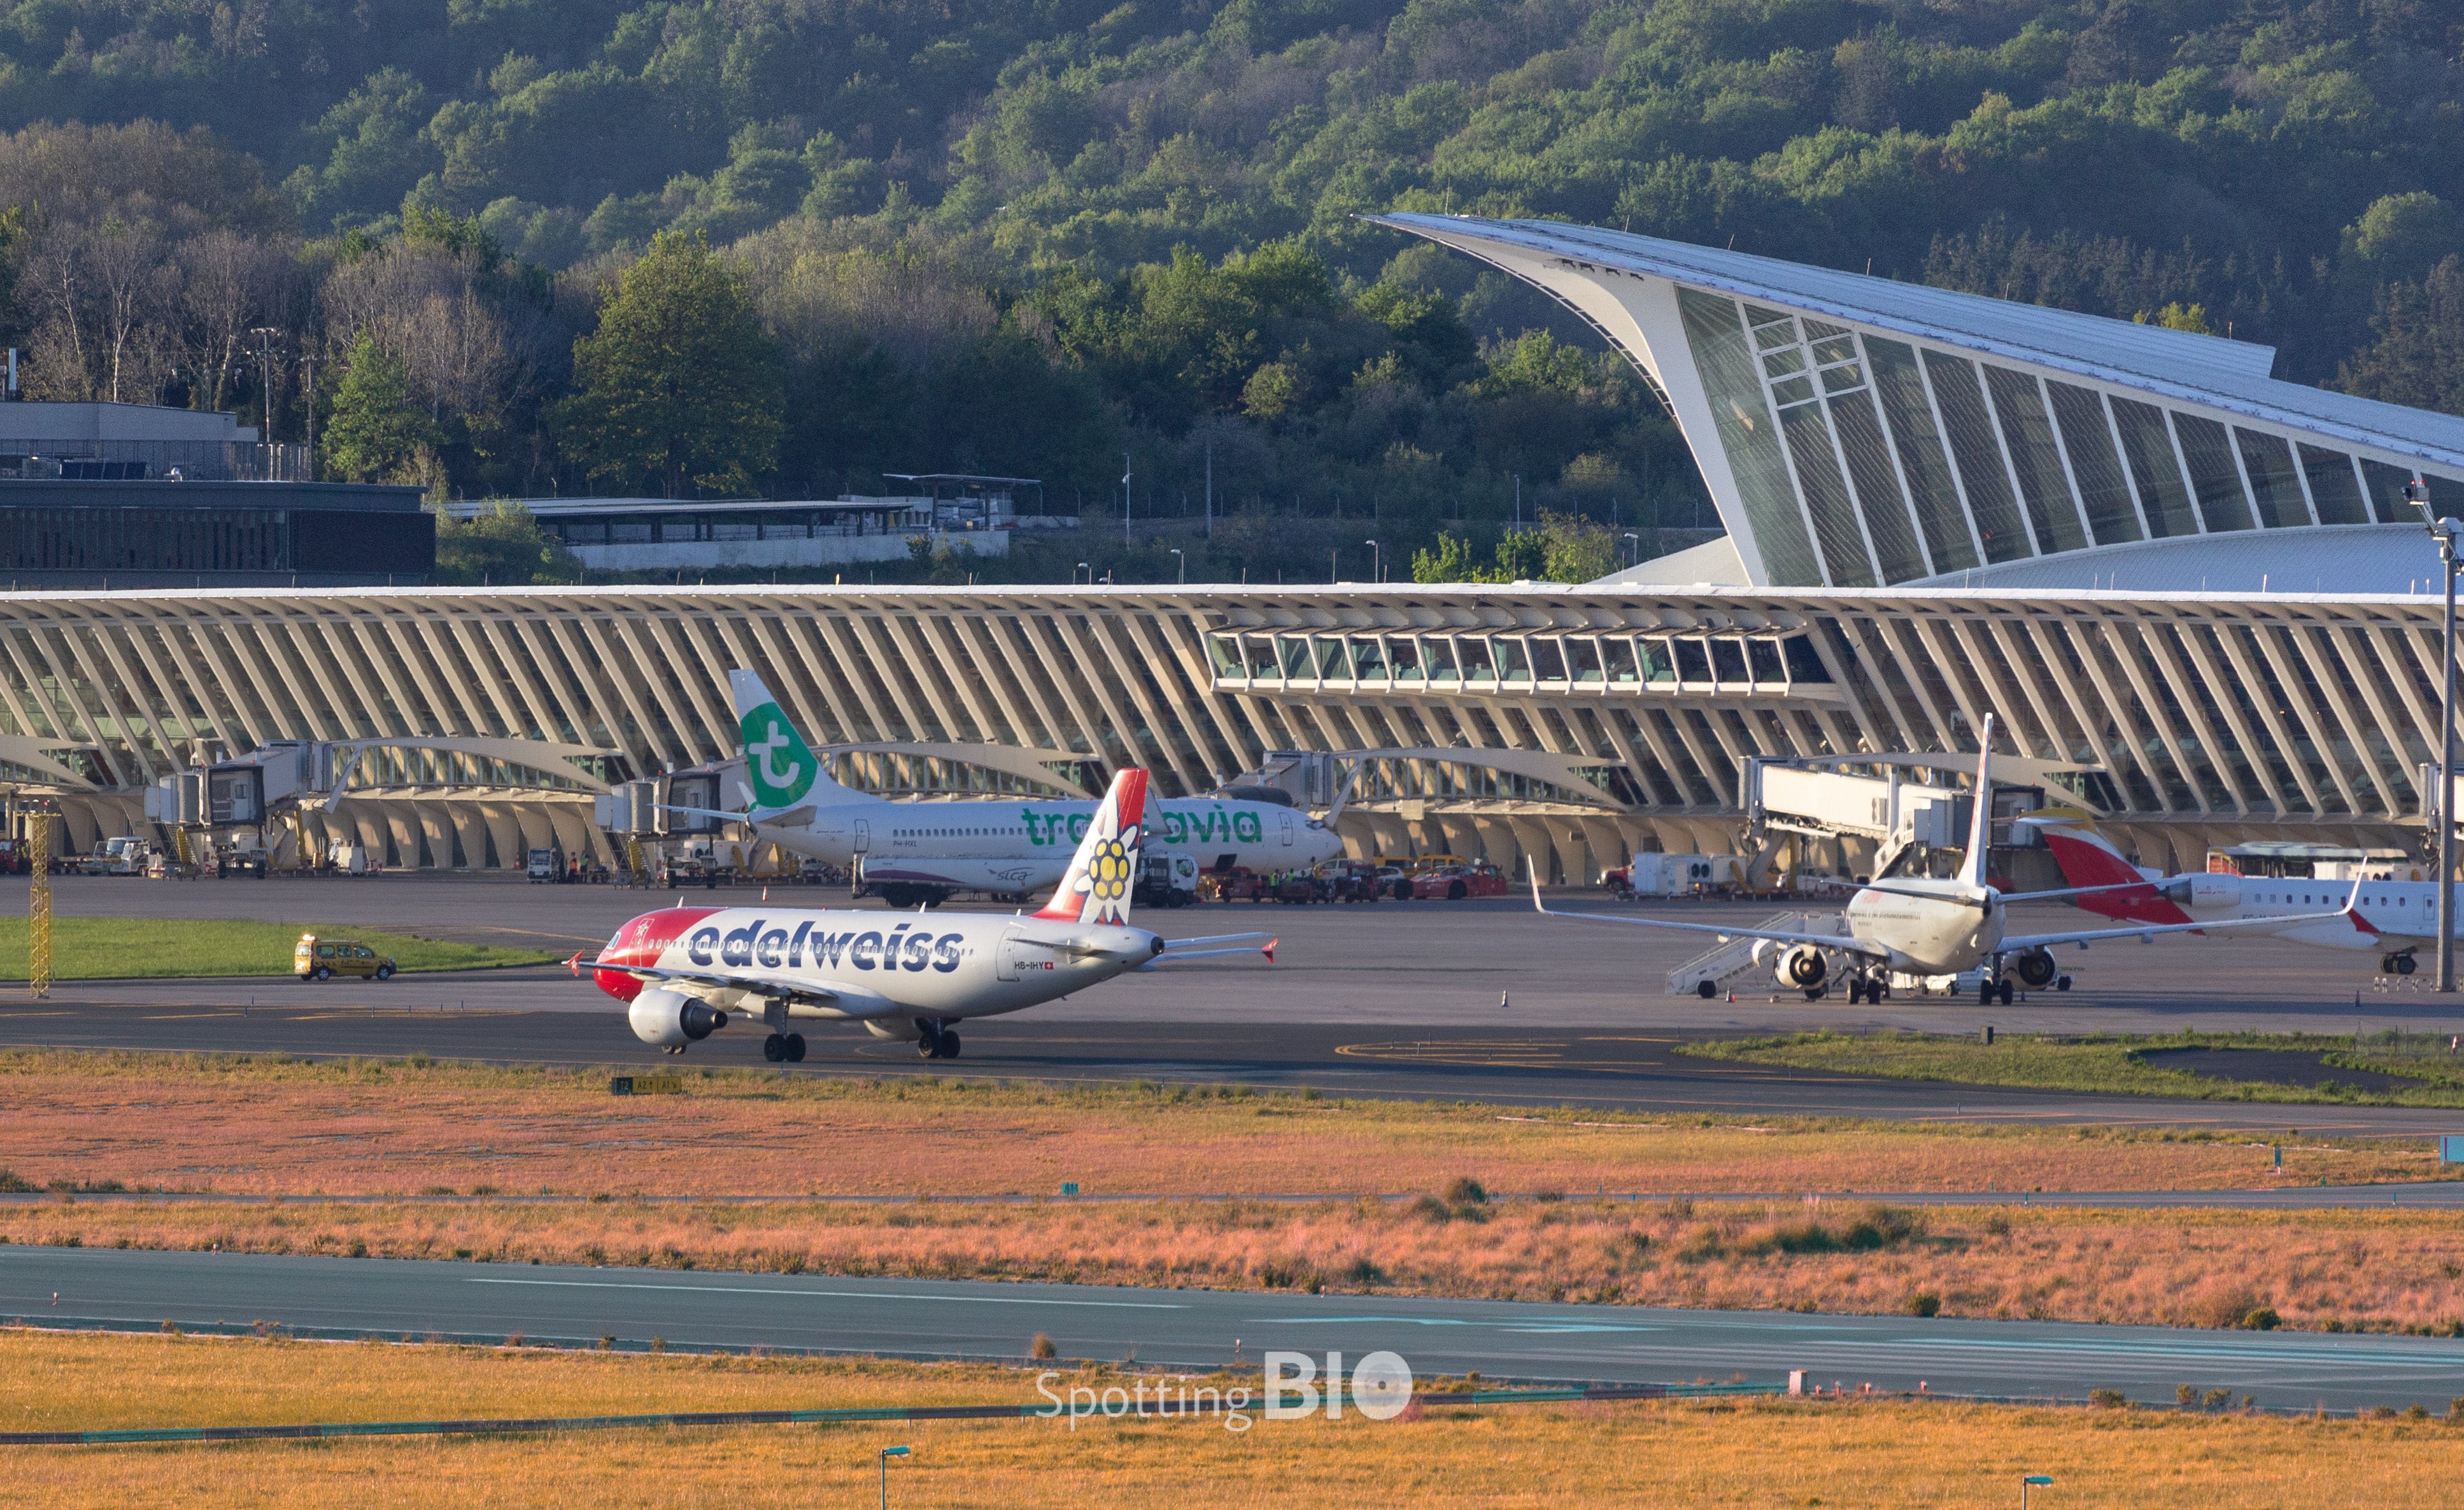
(2417, 357)
(679, 386)
(376, 432)
(1452, 561)
(502, 546)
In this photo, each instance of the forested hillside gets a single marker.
(1065, 239)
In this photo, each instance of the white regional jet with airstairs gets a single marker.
(1917, 926)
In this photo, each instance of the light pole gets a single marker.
(264, 335)
(1088, 570)
(1636, 536)
(2032, 1481)
(886, 1453)
(1183, 564)
(2446, 530)
(1125, 498)
(1376, 560)
(308, 375)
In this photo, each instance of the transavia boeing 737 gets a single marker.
(1921, 927)
(684, 972)
(922, 851)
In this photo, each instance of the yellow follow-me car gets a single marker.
(316, 958)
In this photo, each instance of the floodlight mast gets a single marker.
(2445, 530)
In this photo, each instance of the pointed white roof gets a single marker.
(2231, 375)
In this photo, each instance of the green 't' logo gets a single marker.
(782, 766)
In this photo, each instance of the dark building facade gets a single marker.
(59, 533)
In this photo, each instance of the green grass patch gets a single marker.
(151, 948)
(2114, 1063)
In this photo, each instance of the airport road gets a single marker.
(1200, 1329)
(1537, 1066)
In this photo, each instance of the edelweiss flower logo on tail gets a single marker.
(1097, 887)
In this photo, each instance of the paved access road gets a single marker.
(1620, 1069)
(1208, 1329)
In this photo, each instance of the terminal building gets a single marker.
(2190, 594)
(132, 496)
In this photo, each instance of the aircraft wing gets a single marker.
(1838, 941)
(856, 1001)
(2151, 929)
(1176, 946)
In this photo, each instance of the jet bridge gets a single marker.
(1899, 809)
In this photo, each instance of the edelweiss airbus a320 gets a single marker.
(685, 973)
(1921, 927)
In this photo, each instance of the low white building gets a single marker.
(969, 514)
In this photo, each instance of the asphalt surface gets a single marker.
(1523, 1067)
(2423, 1195)
(1477, 1000)
(1204, 1328)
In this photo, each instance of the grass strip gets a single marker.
(1210, 1402)
(2376, 1269)
(2108, 1063)
(163, 949)
(271, 1125)
(1761, 1451)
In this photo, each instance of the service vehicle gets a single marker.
(123, 856)
(1355, 880)
(1166, 881)
(314, 958)
(1455, 882)
(1235, 885)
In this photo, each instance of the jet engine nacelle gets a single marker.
(1803, 967)
(2204, 889)
(671, 1019)
(2033, 969)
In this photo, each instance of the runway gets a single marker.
(1509, 1066)
(1206, 1329)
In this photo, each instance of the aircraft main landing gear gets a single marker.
(936, 1042)
(786, 1046)
(2397, 964)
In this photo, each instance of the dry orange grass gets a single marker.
(2207, 1268)
(273, 1127)
(1764, 1454)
